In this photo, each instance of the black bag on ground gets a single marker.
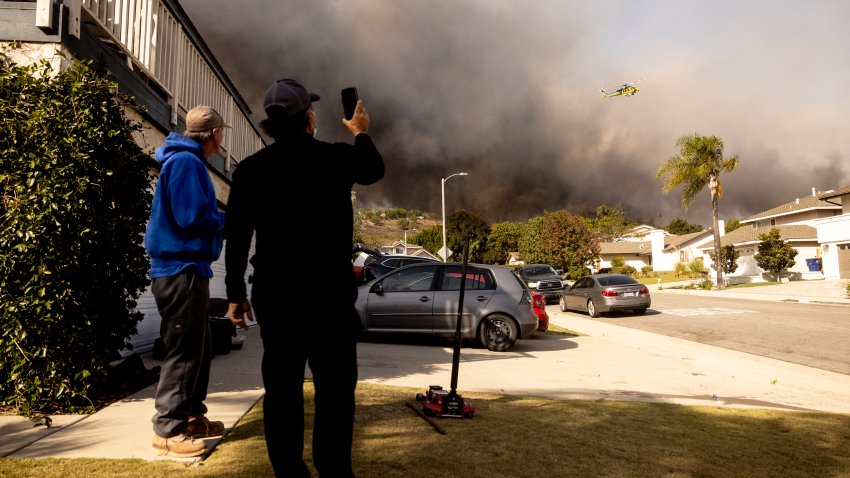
(222, 328)
(222, 334)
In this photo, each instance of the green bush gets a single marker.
(697, 267)
(76, 198)
(646, 271)
(576, 273)
(628, 270)
(846, 286)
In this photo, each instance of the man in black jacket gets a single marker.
(267, 197)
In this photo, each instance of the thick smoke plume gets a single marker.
(508, 91)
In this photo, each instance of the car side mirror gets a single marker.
(378, 289)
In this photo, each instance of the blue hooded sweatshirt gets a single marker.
(185, 228)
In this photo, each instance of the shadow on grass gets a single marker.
(516, 436)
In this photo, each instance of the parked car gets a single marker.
(597, 293)
(376, 266)
(544, 279)
(423, 299)
(539, 303)
(363, 253)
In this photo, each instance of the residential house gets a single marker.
(407, 249)
(650, 246)
(637, 254)
(514, 259)
(833, 233)
(797, 223)
(156, 55)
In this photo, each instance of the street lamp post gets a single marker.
(443, 195)
(405, 239)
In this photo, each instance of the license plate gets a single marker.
(630, 294)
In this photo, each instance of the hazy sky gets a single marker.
(508, 91)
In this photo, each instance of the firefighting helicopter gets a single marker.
(628, 89)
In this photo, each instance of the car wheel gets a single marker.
(591, 308)
(498, 333)
(563, 303)
(640, 311)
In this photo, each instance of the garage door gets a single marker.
(844, 261)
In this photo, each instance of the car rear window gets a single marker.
(413, 260)
(476, 279)
(616, 280)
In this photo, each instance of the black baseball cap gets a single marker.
(287, 98)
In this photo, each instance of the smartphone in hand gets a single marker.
(349, 101)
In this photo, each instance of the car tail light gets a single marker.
(538, 301)
(610, 293)
(644, 291)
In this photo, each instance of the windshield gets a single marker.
(539, 271)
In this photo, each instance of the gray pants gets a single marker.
(183, 302)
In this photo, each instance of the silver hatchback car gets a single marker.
(424, 299)
(599, 293)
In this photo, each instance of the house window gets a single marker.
(683, 256)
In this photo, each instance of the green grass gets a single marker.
(515, 436)
(556, 330)
(665, 278)
(751, 284)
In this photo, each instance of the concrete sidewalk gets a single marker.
(124, 429)
(807, 292)
(607, 362)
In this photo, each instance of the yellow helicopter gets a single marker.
(629, 89)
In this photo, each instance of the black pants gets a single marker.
(328, 344)
(183, 302)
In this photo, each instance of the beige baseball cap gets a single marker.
(203, 118)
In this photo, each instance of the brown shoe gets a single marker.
(202, 427)
(181, 446)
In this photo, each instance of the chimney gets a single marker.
(813, 192)
(721, 227)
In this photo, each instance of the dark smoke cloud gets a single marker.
(508, 92)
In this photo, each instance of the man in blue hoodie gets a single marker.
(184, 236)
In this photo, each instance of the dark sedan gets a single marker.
(599, 293)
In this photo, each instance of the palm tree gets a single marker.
(699, 163)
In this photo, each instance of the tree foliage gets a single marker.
(774, 254)
(699, 164)
(728, 258)
(75, 201)
(610, 222)
(680, 226)
(566, 242)
(504, 237)
(431, 239)
(529, 242)
(462, 224)
(357, 229)
(732, 224)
